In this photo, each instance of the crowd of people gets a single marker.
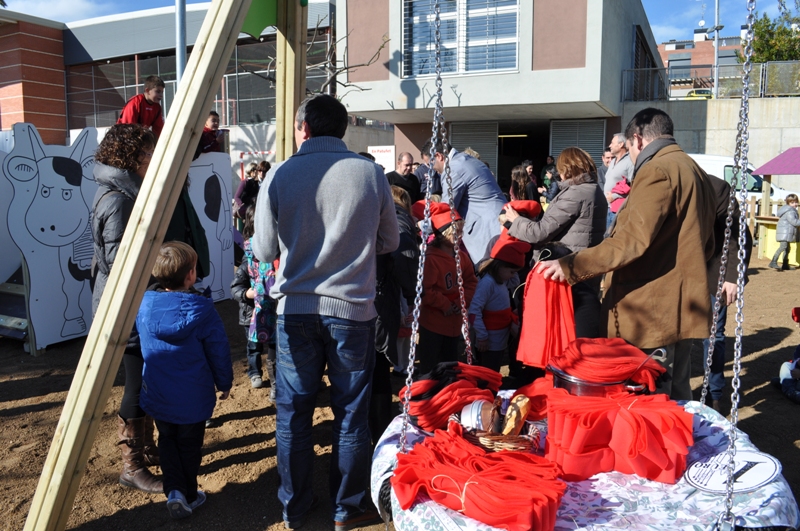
(327, 284)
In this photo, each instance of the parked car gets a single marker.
(722, 167)
(699, 94)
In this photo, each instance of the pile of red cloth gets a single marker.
(548, 323)
(633, 434)
(511, 490)
(446, 390)
(606, 360)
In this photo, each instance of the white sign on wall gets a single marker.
(384, 155)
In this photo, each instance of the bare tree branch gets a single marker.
(336, 70)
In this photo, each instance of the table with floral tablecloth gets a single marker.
(614, 500)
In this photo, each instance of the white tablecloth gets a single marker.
(614, 500)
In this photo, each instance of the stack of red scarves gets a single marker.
(644, 435)
(510, 490)
(548, 323)
(605, 360)
(446, 390)
(537, 395)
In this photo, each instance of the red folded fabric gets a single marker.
(471, 383)
(644, 435)
(509, 490)
(607, 360)
(548, 323)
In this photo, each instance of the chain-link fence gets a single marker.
(779, 78)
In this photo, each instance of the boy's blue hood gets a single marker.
(158, 310)
(784, 209)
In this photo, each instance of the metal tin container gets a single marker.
(578, 387)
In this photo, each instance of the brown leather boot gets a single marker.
(134, 472)
(150, 448)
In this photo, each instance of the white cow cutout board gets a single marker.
(46, 195)
(48, 219)
(209, 189)
(9, 260)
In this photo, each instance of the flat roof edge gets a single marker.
(204, 6)
(13, 17)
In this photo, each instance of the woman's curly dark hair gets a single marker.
(122, 146)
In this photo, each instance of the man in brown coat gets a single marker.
(663, 238)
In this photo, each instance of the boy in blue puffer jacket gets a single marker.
(186, 355)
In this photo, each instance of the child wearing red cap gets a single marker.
(490, 311)
(440, 315)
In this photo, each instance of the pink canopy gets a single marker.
(787, 163)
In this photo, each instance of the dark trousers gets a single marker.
(586, 303)
(491, 359)
(180, 448)
(134, 363)
(254, 351)
(434, 348)
(380, 405)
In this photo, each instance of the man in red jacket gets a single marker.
(145, 109)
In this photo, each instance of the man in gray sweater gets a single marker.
(327, 213)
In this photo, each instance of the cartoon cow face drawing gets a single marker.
(49, 221)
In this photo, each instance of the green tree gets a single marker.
(775, 39)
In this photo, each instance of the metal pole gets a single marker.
(716, 49)
(180, 39)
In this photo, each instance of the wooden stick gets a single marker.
(282, 152)
(291, 72)
(94, 376)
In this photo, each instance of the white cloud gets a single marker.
(62, 11)
(666, 32)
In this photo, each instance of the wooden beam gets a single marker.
(766, 208)
(291, 72)
(94, 375)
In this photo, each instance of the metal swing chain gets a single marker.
(456, 247)
(727, 520)
(438, 126)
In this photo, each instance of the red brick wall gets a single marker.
(32, 79)
(702, 53)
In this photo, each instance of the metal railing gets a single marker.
(778, 78)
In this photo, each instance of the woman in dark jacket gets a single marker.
(122, 160)
(574, 220)
(396, 277)
(247, 192)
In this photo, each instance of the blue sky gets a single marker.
(669, 19)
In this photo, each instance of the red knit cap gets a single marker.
(440, 216)
(510, 250)
(526, 209)
(418, 210)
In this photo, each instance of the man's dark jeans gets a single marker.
(306, 344)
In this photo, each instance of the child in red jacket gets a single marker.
(145, 109)
(440, 317)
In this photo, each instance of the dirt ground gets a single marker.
(239, 466)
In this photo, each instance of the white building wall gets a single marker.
(511, 95)
(711, 126)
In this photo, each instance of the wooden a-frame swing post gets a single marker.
(94, 375)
